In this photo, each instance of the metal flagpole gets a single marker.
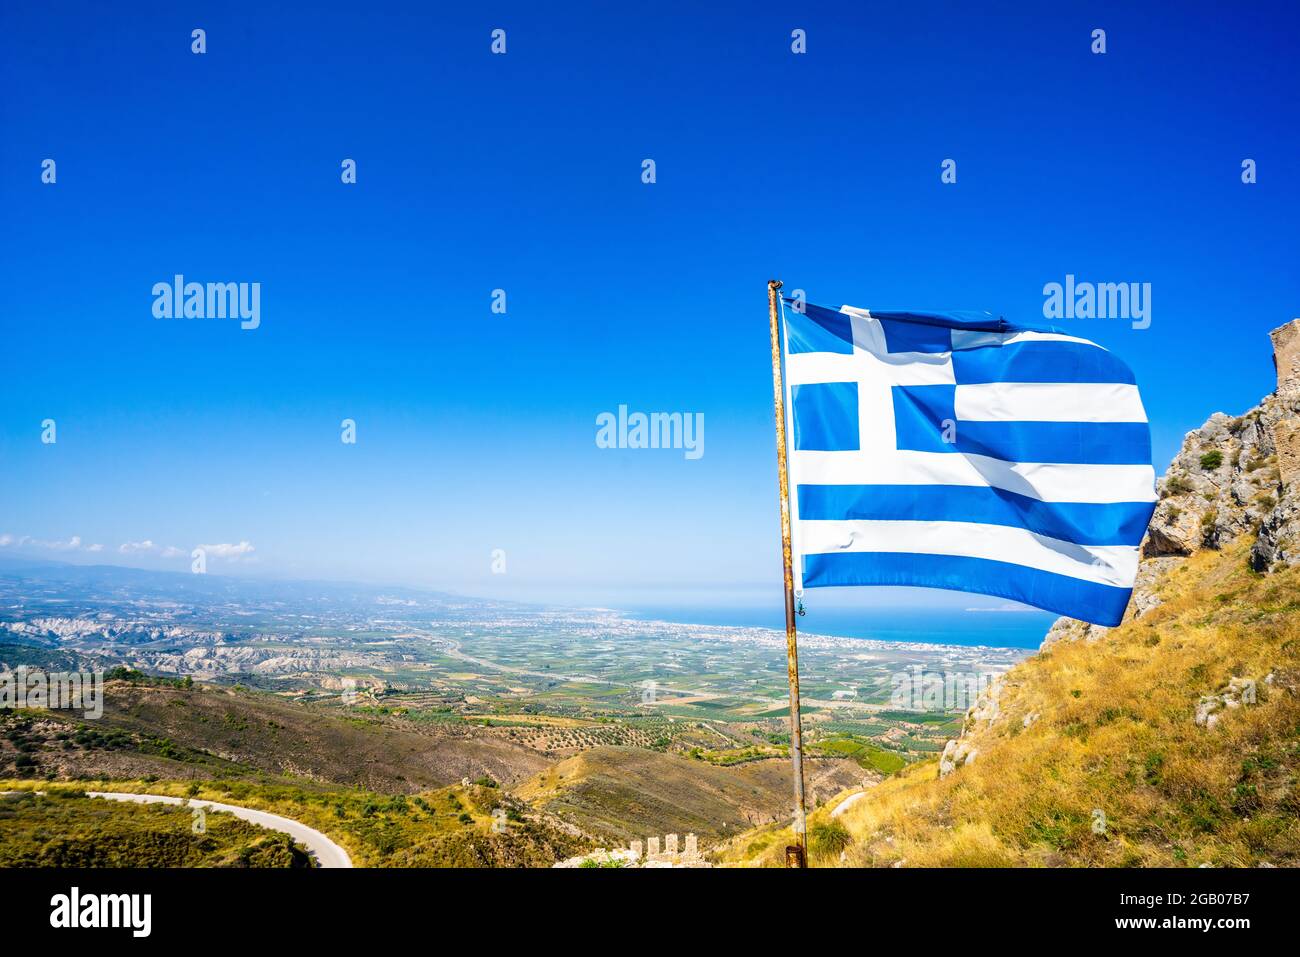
(797, 854)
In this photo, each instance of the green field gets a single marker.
(867, 754)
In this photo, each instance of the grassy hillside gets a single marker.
(385, 789)
(169, 731)
(68, 829)
(1096, 757)
(625, 793)
(389, 789)
(477, 825)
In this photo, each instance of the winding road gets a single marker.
(326, 851)
(847, 803)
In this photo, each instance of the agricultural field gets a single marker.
(375, 715)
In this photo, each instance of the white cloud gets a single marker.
(150, 547)
(243, 551)
(26, 541)
(225, 550)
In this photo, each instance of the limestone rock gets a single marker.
(1145, 586)
(1071, 629)
(1279, 533)
(1215, 488)
(1237, 692)
(956, 753)
(602, 858)
(983, 714)
(1286, 431)
(1233, 477)
(985, 710)
(1279, 536)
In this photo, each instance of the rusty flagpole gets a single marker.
(796, 855)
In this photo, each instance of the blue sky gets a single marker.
(523, 172)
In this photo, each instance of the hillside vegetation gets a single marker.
(167, 730)
(1096, 757)
(474, 825)
(380, 787)
(390, 790)
(627, 793)
(65, 828)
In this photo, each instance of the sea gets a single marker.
(998, 628)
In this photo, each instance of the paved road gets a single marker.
(326, 852)
(847, 803)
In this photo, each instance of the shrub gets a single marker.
(830, 837)
(1211, 460)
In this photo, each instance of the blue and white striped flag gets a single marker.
(959, 451)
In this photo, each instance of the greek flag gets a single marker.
(958, 451)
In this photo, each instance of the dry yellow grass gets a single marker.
(1114, 743)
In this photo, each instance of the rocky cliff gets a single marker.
(1233, 477)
